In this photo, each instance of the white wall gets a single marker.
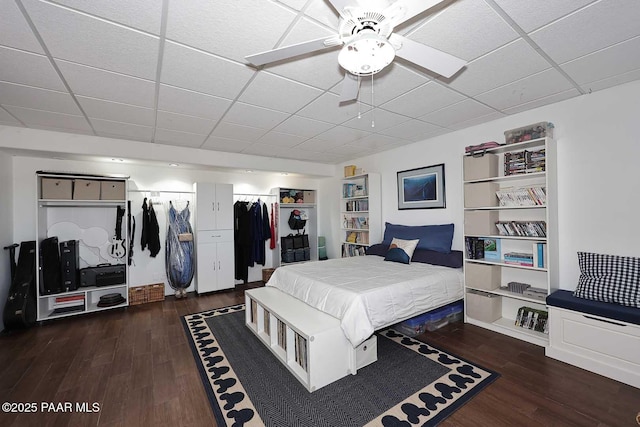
(155, 178)
(6, 225)
(598, 141)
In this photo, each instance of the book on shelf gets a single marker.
(526, 161)
(474, 247)
(524, 196)
(519, 258)
(522, 228)
(539, 255)
(492, 248)
(533, 319)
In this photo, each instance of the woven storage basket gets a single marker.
(155, 292)
(137, 295)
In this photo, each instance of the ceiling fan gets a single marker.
(369, 44)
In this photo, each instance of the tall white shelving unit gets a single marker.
(360, 213)
(488, 302)
(307, 202)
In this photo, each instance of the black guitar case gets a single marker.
(20, 309)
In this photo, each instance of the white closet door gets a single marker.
(225, 265)
(205, 206)
(224, 206)
(207, 267)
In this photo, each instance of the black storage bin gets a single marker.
(305, 240)
(299, 254)
(307, 253)
(288, 255)
(298, 241)
(286, 242)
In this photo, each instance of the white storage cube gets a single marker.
(484, 306)
(481, 167)
(482, 276)
(480, 223)
(481, 194)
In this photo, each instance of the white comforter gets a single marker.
(367, 293)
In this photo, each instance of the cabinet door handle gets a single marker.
(219, 265)
(605, 321)
(217, 235)
(218, 206)
(213, 206)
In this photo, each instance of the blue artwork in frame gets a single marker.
(422, 188)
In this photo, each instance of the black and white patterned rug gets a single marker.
(412, 383)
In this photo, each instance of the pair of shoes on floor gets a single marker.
(181, 293)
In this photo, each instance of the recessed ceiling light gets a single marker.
(174, 164)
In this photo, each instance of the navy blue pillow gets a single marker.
(397, 255)
(432, 237)
(453, 259)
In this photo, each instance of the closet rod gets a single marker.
(255, 194)
(160, 191)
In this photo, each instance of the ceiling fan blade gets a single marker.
(427, 57)
(350, 88)
(293, 50)
(403, 10)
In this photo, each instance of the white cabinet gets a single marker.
(214, 236)
(214, 258)
(361, 219)
(214, 206)
(82, 208)
(510, 212)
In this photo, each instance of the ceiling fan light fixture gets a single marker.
(366, 54)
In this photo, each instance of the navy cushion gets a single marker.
(397, 255)
(433, 237)
(566, 299)
(453, 259)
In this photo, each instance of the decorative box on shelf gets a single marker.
(146, 293)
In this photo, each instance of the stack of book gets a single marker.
(525, 196)
(540, 255)
(522, 228)
(474, 247)
(357, 206)
(530, 318)
(519, 258)
(353, 190)
(524, 162)
(68, 303)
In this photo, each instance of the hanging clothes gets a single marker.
(261, 231)
(145, 225)
(153, 233)
(179, 255)
(272, 243)
(243, 240)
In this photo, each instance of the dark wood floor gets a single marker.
(137, 365)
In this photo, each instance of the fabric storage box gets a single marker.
(112, 190)
(480, 223)
(482, 276)
(298, 254)
(288, 255)
(307, 254)
(86, 189)
(481, 194)
(309, 196)
(485, 166)
(349, 170)
(367, 352)
(58, 189)
(484, 306)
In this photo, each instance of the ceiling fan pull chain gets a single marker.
(373, 105)
(359, 100)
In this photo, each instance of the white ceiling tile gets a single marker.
(296, 4)
(613, 81)
(322, 12)
(456, 113)
(280, 139)
(375, 141)
(251, 115)
(342, 134)
(141, 14)
(218, 143)
(28, 69)
(602, 24)
(556, 97)
(375, 120)
(618, 59)
(95, 42)
(525, 90)
(411, 129)
(327, 108)
(239, 132)
(10, 123)
(267, 90)
(182, 123)
(14, 29)
(477, 120)
(191, 103)
(265, 150)
(117, 112)
(38, 99)
(112, 86)
(7, 118)
(39, 118)
(302, 126)
(204, 73)
(489, 71)
(352, 150)
(243, 28)
(530, 15)
(466, 29)
(388, 84)
(423, 100)
(317, 145)
(182, 139)
(122, 130)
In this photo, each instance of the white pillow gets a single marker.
(406, 246)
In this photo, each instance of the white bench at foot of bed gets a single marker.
(308, 342)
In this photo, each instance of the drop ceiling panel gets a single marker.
(602, 24)
(343, 134)
(122, 130)
(449, 31)
(28, 69)
(239, 132)
(375, 120)
(267, 90)
(318, 145)
(303, 126)
(423, 100)
(327, 108)
(456, 113)
(39, 99)
(116, 112)
(6, 118)
(411, 129)
(39, 118)
(113, 86)
(557, 97)
(251, 115)
(230, 28)
(613, 81)
(182, 139)
(491, 71)
(321, 11)
(530, 15)
(95, 42)
(375, 141)
(539, 85)
(206, 73)
(14, 29)
(192, 103)
(265, 150)
(219, 143)
(280, 139)
(144, 15)
(183, 123)
(609, 62)
(388, 84)
(476, 120)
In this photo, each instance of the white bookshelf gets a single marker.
(360, 213)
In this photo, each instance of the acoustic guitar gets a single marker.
(117, 248)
